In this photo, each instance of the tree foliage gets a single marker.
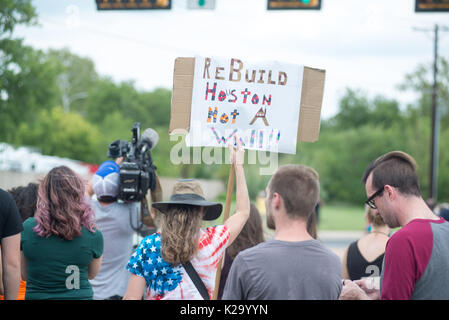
(15, 12)
(365, 128)
(26, 80)
(65, 134)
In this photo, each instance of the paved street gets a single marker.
(337, 241)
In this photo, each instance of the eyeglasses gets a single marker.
(370, 202)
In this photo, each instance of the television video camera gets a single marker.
(137, 172)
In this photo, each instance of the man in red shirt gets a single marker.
(416, 259)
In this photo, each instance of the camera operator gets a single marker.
(118, 222)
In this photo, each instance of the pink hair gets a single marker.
(62, 209)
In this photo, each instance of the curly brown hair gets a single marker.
(26, 199)
(180, 232)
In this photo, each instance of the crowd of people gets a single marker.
(65, 239)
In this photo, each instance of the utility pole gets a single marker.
(433, 187)
(434, 145)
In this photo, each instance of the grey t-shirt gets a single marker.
(280, 270)
(114, 222)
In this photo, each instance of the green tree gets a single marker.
(362, 130)
(420, 81)
(107, 97)
(354, 110)
(13, 13)
(63, 134)
(28, 83)
(156, 106)
(76, 77)
(386, 112)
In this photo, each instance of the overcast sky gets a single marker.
(367, 44)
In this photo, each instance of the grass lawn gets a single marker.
(332, 217)
(342, 217)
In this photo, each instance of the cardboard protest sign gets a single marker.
(269, 105)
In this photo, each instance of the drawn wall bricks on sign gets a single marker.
(262, 115)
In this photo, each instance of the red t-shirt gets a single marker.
(416, 259)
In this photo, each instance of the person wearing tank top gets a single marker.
(364, 257)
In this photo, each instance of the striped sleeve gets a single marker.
(215, 240)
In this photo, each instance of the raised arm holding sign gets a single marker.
(236, 222)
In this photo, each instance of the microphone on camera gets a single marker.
(150, 138)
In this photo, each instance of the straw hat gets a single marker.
(189, 192)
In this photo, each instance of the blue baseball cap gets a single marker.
(106, 181)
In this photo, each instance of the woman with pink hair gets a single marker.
(61, 247)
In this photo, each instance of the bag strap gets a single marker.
(199, 284)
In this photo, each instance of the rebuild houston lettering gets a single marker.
(243, 96)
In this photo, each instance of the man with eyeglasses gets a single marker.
(417, 256)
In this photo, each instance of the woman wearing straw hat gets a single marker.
(159, 266)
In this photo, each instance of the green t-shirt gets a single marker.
(58, 268)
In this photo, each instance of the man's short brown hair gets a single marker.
(299, 188)
(397, 169)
